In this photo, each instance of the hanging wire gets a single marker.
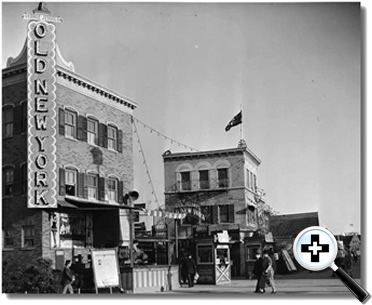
(145, 164)
(164, 136)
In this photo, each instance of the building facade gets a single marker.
(60, 198)
(218, 189)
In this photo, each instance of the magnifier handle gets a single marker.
(360, 293)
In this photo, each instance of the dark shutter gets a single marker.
(214, 214)
(101, 188)
(82, 128)
(102, 135)
(17, 180)
(61, 117)
(24, 117)
(62, 183)
(120, 191)
(120, 141)
(231, 215)
(17, 120)
(85, 187)
(80, 185)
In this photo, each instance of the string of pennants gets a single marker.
(174, 215)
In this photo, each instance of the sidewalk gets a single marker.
(244, 287)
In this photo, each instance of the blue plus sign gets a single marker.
(315, 248)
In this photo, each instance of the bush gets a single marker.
(36, 277)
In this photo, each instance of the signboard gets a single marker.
(105, 267)
(42, 168)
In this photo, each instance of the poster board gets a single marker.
(105, 268)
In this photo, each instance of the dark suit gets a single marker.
(190, 268)
(257, 271)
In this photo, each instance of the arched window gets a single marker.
(183, 173)
(71, 176)
(112, 189)
(8, 120)
(70, 123)
(203, 169)
(92, 126)
(222, 167)
(92, 184)
(8, 180)
(112, 137)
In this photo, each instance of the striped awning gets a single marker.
(171, 215)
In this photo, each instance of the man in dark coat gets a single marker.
(257, 269)
(190, 266)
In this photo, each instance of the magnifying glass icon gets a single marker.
(315, 249)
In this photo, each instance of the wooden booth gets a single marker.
(213, 259)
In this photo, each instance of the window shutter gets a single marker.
(62, 182)
(231, 215)
(24, 117)
(214, 214)
(17, 180)
(102, 135)
(17, 119)
(80, 185)
(61, 117)
(85, 185)
(101, 188)
(82, 134)
(120, 141)
(120, 191)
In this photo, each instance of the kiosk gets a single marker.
(213, 259)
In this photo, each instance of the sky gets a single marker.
(294, 68)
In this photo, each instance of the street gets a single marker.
(283, 286)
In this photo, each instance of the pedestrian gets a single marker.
(257, 270)
(348, 262)
(267, 273)
(67, 278)
(183, 268)
(191, 270)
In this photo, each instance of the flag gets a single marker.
(235, 121)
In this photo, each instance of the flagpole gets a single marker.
(241, 125)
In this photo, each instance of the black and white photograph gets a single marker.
(184, 149)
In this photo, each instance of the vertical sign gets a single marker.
(42, 170)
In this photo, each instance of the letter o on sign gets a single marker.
(40, 30)
(41, 161)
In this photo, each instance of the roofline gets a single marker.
(76, 79)
(186, 155)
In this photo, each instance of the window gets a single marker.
(204, 179)
(112, 137)
(8, 181)
(92, 183)
(226, 213)
(185, 181)
(92, 131)
(71, 181)
(112, 186)
(28, 233)
(223, 180)
(8, 234)
(8, 121)
(251, 252)
(70, 123)
(204, 254)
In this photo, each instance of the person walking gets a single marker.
(257, 270)
(348, 262)
(191, 270)
(267, 273)
(67, 278)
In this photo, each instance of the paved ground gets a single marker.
(329, 286)
(303, 282)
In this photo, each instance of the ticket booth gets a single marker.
(213, 259)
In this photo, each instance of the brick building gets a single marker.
(218, 189)
(86, 166)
